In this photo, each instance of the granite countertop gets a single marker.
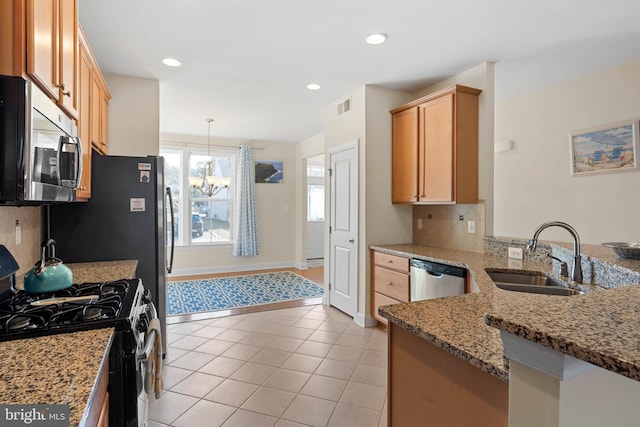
(61, 368)
(54, 369)
(600, 327)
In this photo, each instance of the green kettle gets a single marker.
(49, 273)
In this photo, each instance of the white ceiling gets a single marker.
(246, 62)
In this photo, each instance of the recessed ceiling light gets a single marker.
(313, 86)
(376, 38)
(171, 62)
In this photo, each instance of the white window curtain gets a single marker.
(245, 235)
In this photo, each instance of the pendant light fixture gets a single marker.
(209, 184)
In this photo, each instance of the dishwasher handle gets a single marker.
(436, 268)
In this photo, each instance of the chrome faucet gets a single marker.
(576, 268)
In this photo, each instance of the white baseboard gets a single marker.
(229, 268)
(365, 321)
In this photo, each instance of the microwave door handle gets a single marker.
(61, 142)
(79, 161)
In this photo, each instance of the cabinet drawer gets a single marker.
(391, 261)
(378, 300)
(392, 284)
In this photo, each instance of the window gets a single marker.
(315, 202)
(200, 219)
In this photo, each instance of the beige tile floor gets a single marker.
(303, 366)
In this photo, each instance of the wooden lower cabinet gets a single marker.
(390, 281)
(99, 409)
(431, 387)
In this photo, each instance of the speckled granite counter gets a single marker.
(600, 327)
(56, 369)
(63, 368)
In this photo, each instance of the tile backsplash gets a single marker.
(28, 251)
(443, 228)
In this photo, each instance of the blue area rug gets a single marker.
(193, 296)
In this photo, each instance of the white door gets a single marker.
(343, 237)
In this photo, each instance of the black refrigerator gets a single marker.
(124, 219)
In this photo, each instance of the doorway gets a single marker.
(315, 211)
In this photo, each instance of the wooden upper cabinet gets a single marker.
(93, 87)
(84, 118)
(435, 148)
(52, 49)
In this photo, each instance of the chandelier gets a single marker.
(209, 184)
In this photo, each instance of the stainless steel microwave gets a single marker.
(40, 153)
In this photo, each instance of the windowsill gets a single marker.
(200, 246)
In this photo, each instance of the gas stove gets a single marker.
(79, 307)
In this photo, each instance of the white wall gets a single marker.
(533, 182)
(134, 116)
(479, 77)
(379, 221)
(276, 213)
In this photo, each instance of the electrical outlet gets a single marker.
(515, 253)
(471, 227)
(419, 223)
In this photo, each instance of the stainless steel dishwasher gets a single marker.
(433, 280)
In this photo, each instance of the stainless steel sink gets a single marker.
(530, 282)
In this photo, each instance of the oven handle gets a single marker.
(144, 356)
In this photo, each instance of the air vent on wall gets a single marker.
(344, 106)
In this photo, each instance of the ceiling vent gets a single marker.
(344, 106)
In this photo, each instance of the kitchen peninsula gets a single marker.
(69, 368)
(456, 326)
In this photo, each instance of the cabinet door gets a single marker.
(96, 100)
(68, 57)
(404, 184)
(104, 122)
(42, 36)
(84, 123)
(436, 168)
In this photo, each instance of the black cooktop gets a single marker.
(79, 307)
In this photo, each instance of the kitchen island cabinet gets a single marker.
(428, 383)
(435, 148)
(597, 327)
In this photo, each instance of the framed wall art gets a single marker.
(269, 172)
(605, 149)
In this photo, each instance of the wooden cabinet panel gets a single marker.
(42, 39)
(404, 186)
(440, 157)
(428, 383)
(84, 121)
(436, 150)
(52, 50)
(392, 283)
(391, 261)
(68, 55)
(378, 300)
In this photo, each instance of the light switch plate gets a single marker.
(471, 227)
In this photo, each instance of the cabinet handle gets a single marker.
(389, 283)
(67, 93)
(390, 261)
(422, 196)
